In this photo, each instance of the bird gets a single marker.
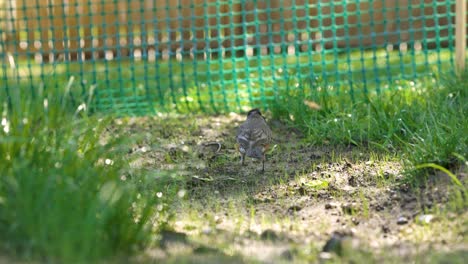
(253, 137)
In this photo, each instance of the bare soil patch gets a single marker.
(309, 197)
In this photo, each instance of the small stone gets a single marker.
(185, 149)
(172, 237)
(353, 181)
(387, 175)
(269, 235)
(334, 244)
(331, 205)
(402, 220)
(325, 256)
(385, 229)
(287, 255)
(355, 221)
(302, 190)
(207, 230)
(323, 194)
(294, 208)
(338, 242)
(426, 219)
(379, 208)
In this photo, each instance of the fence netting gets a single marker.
(142, 56)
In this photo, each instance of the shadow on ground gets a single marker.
(313, 203)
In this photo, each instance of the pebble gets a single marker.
(331, 205)
(379, 208)
(294, 208)
(385, 229)
(287, 255)
(325, 256)
(353, 181)
(402, 220)
(269, 235)
(207, 230)
(426, 219)
(339, 242)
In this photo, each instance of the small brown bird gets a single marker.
(254, 137)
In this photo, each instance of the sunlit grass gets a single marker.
(423, 120)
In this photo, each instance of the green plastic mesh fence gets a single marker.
(145, 56)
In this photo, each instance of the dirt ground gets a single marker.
(312, 204)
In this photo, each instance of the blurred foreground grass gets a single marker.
(63, 197)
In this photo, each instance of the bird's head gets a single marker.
(254, 113)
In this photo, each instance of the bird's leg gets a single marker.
(242, 159)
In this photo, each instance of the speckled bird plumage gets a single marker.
(253, 137)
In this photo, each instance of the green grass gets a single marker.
(225, 84)
(62, 194)
(425, 121)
